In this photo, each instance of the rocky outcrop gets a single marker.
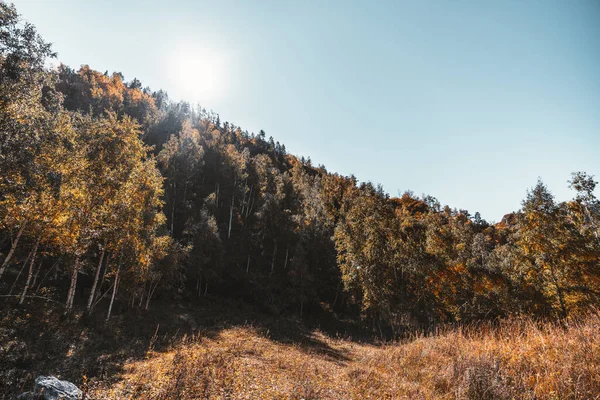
(52, 388)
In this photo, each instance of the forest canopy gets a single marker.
(112, 194)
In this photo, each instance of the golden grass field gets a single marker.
(514, 360)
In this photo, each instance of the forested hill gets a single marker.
(112, 195)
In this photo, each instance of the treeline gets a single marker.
(135, 195)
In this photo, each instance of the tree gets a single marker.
(180, 160)
(589, 205)
(538, 240)
(365, 251)
(23, 118)
(119, 194)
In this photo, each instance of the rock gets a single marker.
(51, 388)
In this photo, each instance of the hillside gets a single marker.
(516, 361)
(205, 351)
(150, 250)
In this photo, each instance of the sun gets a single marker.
(198, 74)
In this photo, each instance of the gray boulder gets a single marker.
(51, 388)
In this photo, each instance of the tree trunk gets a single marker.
(30, 275)
(151, 290)
(379, 325)
(251, 205)
(247, 206)
(47, 273)
(101, 296)
(20, 272)
(287, 252)
(243, 204)
(37, 272)
(249, 200)
(248, 264)
(391, 322)
(559, 292)
(301, 293)
(71, 295)
(108, 263)
(96, 278)
(173, 212)
(273, 258)
(148, 296)
(337, 293)
(142, 296)
(112, 298)
(12, 250)
(230, 216)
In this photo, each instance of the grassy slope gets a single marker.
(210, 351)
(518, 360)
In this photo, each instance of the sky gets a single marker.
(469, 101)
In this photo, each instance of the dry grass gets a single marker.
(516, 360)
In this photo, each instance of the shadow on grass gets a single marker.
(36, 338)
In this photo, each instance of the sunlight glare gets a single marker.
(198, 74)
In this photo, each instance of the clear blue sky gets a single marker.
(469, 101)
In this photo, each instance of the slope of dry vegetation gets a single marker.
(113, 195)
(518, 359)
